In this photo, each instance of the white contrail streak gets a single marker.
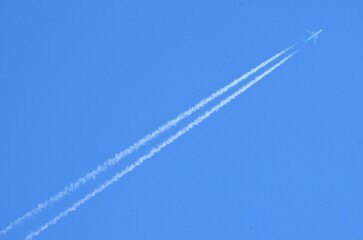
(129, 150)
(155, 150)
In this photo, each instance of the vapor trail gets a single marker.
(112, 161)
(155, 150)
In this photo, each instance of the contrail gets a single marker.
(129, 150)
(155, 150)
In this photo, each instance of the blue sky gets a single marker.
(82, 80)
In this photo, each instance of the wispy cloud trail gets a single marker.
(129, 150)
(155, 150)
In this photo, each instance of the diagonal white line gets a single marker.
(156, 149)
(135, 146)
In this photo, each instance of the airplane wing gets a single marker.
(315, 41)
(310, 32)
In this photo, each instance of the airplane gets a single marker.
(313, 35)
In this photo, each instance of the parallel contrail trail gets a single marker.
(155, 150)
(112, 161)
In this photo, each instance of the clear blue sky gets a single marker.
(81, 80)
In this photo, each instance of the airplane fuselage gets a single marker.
(313, 35)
